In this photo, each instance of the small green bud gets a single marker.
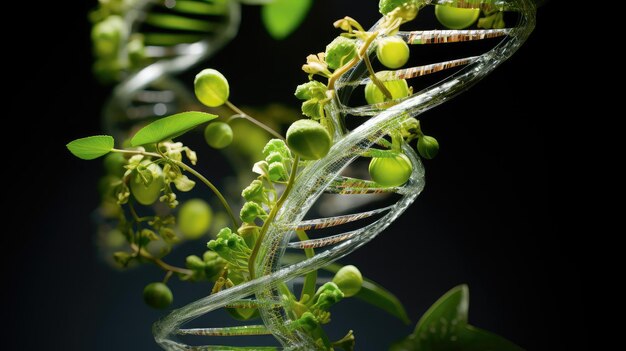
(255, 191)
(217, 246)
(393, 52)
(308, 139)
(183, 183)
(311, 90)
(274, 157)
(308, 322)
(194, 262)
(224, 233)
(340, 51)
(327, 295)
(122, 258)
(218, 135)
(211, 87)
(276, 145)
(277, 172)
(349, 280)
(251, 211)
(398, 88)
(428, 147)
(157, 295)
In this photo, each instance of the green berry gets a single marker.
(398, 89)
(157, 295)
(147, 194)
(211, 87)
(114, 164)
(349, 280)
(308, 139)
(428, 147)
(393, 52)
(194, 218)
(340, 51)
(218, 135)
(390, 171)
(455, 17)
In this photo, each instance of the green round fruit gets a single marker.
(194, 218)
(398, 89)
(211, 87)
(349, 280)
(390, 171)
(456, 18)
(147, 195)
(428, 147)
(218, 135)
(393, 52)
(157, 295)
(308, 139)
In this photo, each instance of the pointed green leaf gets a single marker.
(380, 297)
(450, 310)
(444, 327)
(282, 17)
(170, 127)
(91, 147)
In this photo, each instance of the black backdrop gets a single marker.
(487, 216)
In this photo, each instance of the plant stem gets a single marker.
(253, 120)
(271, 216)
(192, 171)
(137, 152)
(375, 79)
(159, 262)
(362, 52)
(212, 187)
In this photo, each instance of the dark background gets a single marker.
(488, 216)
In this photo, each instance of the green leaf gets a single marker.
(378, 296)
(444, 327)
(370, 292)
(91, 147)
(170, 127)
(282, 17)
(450, 310)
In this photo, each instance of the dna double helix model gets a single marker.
(147, 92)
(172, 37)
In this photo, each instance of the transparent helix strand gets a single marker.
(178, 35)
(325, 176)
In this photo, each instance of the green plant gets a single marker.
(153, 165)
